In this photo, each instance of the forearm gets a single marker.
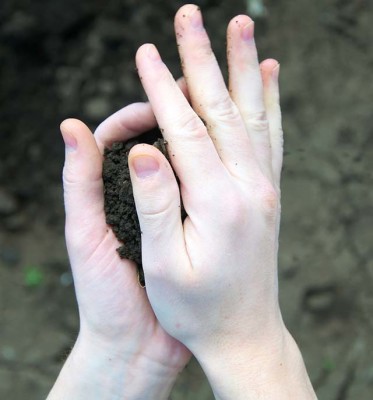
(273, 372)
(92, 373)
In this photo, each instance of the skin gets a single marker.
(119, 333)
(211, 283)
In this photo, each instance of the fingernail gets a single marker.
(195, 18)
(247, 32)
(153, 53)
(276, 71)
(71, 143)
(145, 166)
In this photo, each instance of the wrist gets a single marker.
(271, 369)
(95, 370)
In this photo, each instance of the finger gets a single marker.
(181, 82)
(209, 94)
(157, 199)
(192, 152)
(125, 124)
(270, 72)
(246, 87)
(129, 122)
(83, 188)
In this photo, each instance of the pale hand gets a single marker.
(212, 280)
(122, 351)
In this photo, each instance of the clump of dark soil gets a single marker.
(120, 208)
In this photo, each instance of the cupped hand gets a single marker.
(212, 280)
(115, 314)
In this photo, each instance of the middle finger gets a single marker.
(209, 96)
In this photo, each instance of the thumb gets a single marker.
(157, 200)
(83, 189)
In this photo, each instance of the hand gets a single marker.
(119, 333)
(212, 281)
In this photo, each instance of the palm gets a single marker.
(121, 305)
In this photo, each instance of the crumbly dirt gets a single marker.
(76, 59)
(120, 208)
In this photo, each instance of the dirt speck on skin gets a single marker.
(120, 208)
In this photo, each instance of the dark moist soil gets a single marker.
(120, 205)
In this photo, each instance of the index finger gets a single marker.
(125, 124)
(129, 122)
(192, 152)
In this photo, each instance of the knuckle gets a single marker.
(156, 208)
(68, 177)
(193, 126)
(223, 109)
(268, 199)
(152, 222)
(257, 121)
(150, 212)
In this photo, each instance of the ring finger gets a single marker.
(246, 86)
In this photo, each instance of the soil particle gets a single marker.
(120, 208)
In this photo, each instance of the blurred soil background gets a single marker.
(76, 58)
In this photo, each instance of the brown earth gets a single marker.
(61, 59)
